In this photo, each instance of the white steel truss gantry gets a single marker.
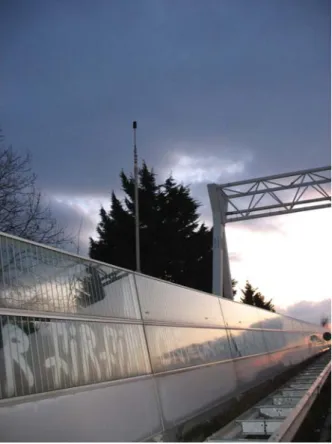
(261, 197)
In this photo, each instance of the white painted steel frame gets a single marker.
(225, 209)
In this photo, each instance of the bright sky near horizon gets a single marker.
(222, 90)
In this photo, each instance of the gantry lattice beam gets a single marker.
(261, 197)
(276, 195)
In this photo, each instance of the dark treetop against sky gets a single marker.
(222, 90)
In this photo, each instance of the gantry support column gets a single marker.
(261, 197)
(221, 276)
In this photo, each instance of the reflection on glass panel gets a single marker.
(161, 301)
(287, 323)
(174, 348)
(40, 279)
(237, 314)
(302, 326)
(246, 342)
(307, 327)
(274, 340)
(38, 355)
(270, 320)
(295, 339)
(118, 291)
(296, 325)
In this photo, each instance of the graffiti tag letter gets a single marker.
(16, 343)
(88, 345)
(56, 361)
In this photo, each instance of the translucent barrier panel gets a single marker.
(246, 342)
(39, 279)
(303, 326)
(287, 323)
(38, 355)
(178, 347)
(162, 301)
(296, 325)
(295, 339)
(119, 296)
(237, 314)
(274, 340)
(307, 327)
(269, 320)
(291, 324)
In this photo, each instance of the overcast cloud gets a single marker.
(309, 311)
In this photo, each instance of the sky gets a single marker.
(222, 90)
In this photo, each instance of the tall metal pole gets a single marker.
(137, 243)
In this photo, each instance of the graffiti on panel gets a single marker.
(63, 354)
(173, 348)
(193, 354)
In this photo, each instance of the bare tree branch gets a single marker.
(23, 210)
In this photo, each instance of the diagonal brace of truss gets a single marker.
(311, 190)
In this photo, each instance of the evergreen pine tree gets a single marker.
(253, 297)
(174, 245)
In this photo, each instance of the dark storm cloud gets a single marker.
(219, 77)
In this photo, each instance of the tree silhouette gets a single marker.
(174, 245)
(253, 297)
